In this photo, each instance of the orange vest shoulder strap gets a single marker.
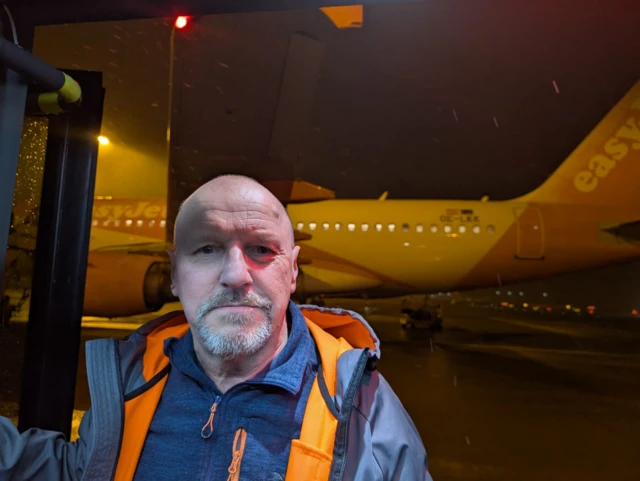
(138, 413)
(311, 455)
(140, 407)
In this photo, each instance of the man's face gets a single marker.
(234, 270)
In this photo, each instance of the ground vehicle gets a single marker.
(424, 315)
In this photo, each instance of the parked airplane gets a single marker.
(586, 214)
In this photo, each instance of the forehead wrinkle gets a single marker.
(249, 207)
(229, 196)
(209, 221)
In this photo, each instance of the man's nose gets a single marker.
(235, 271)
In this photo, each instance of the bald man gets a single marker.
(234, 270)
(240, 385)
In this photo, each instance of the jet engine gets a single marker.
(120, 284)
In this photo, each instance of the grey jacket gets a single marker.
(375, 440)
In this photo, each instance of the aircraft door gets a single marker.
(530, 238)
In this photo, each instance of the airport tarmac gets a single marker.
(496, 396)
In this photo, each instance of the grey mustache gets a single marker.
(234, 298)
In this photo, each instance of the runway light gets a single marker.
(181, 22)
(103, 140)
(568, 306)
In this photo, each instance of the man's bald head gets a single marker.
(228, 189)
(234, 266)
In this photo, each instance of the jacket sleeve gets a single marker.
(384, 444)
(38, 454)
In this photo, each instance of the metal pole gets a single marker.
(172, 38)
(53, 333)
(13, 97)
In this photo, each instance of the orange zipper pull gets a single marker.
(238, 451)
(207, 429)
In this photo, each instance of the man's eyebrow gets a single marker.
(274, 239)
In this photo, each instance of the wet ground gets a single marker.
(495, 396)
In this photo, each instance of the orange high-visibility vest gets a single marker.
(311, 455)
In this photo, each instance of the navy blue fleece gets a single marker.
(270, 407)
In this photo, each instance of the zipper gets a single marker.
(238, 451)
(207, 430)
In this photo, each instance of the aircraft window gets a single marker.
(117, 223)
(491, 229)
(300, 225)
(152, 223)
(379, 227)
(419, 228)
(433, 228)
(312, 225)
(94, 223)
(365, 227)
(405, 227)
(140, 223)
(325, 226)
(128, 222)
(338, 225)
(447, 228)
(476, 229)
(351, 227)
(462, 229)
(392, 227)
(163, 223)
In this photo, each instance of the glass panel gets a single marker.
(18, 275)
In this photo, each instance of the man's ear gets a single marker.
(172, 256)
(294, 268)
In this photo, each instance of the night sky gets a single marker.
(437, 99)
(406, 104)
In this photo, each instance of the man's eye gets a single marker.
(261, 250)
(205, 250)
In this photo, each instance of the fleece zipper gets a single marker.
(237, 452)
(207, 430)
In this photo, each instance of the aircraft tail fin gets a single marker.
(604, 169)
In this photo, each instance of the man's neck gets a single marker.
(227, 373)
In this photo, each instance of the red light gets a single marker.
(181, 22)
(634, 312)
